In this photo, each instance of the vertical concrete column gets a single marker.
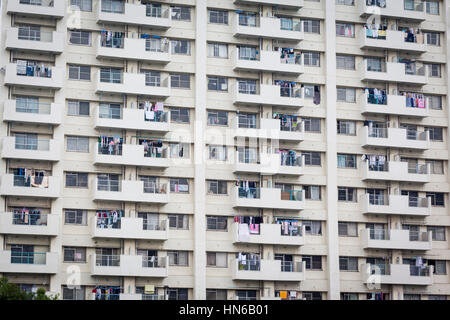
(199, 147)
(58, 169)
(331, 155)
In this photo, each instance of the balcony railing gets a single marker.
(30, 181)
(28, 257)
(250, 265)
(35, 35)
(108, 185)
(153, 262)
(414, 5)
(38, 144)
(162, 225)
(291, 266)
(38, 108)
(113, 7)
(157, 188)
(29, 219)
(292, 195)
(43, 3)
(107, 260)
(290, 92)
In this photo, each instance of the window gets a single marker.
(348, 263)
(437, 233)
(179, 150)
(312, 192)
(74, 254)
(83, 5)
(218, 153)
(75, 216)
(346, 161)
(217, 118)
(178, 221)
(434, 102)
(432, 7)
(79, 72)
(181, 13)
(312, 92)
(179, 185)
(433, 38)
(75, 293)
(346, 3)
(407, 296)
(311, 59)
(312, 125)
(436, 297)
(177, 294)
(346, 127)
(77, 108)
(216, 223)
(349, 296)
(180, 80)
(436, 166)
(217, 50)
(434, 70)
(111, 75)
(440, 266)
(216, 259)
(217, 16)
(216, 294)
(76, 179)
(313, 227)
(80, 37)
(246, 294)
(179, 115)
(346, 95)
(345, 30)
(312, 158)
(313, 262)
(178, 258)
(348, 229)
(345, 62)
(437, 199)
(217, 187)
(347, 194)
(217, 84)
(77, 144)
(312, 295)
(181, 47)
(311, 26)
(435, 133)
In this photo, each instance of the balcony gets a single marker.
(11, 185)
(394, 40)
(34, 224)
(41, 113)
(131, 228)
(44, 8)
(135, 49)
(268, 270)
(394, 72)
(396, 239)
(402, 274)
(395, 9)
(269, 28)
(130, 191)
(133, 14)
(268, 61)
(396, 204)
(393, 105)
(36, 41)
(133, 119)
(270, 234)
(288, 4)
(396, 171)
(394, 138)
(52, 80)
(133, 155)
(133, 83)
(29, 262)
(44, 149)
(129, 266)
(266, 94)
(268, 198)
(270, 164)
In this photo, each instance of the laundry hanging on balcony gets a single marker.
(152, 148)
(33, 69)
(414, 100)
(110, 145)
(109, 218)
(376, 96)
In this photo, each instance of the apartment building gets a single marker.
(225, 149)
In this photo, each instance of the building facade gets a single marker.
(225, 149)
